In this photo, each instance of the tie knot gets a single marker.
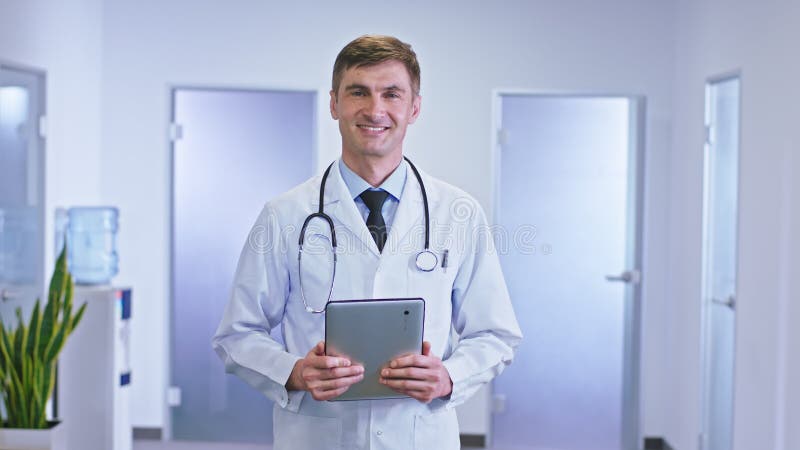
(374, 199)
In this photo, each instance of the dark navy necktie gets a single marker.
(375, 223)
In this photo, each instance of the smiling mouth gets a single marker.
(372, 128)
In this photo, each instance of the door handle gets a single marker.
(6, 295)
(730, 302)
(628, 276)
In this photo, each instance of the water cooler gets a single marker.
(94, 375)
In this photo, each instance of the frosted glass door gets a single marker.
(235, 150)
(567, 202)
(21, 190)
(720, 210)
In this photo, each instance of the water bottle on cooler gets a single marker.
(92, 244)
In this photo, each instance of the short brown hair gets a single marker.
(369, 50)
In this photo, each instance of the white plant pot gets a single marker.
(27, 439)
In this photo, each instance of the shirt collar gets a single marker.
(394, 184)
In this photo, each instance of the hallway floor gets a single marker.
(185, 445)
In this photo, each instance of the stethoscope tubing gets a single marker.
(322, 215)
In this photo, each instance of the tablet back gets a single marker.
(372, 333)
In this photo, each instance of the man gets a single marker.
(376, 204)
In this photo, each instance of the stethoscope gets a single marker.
(426, 260)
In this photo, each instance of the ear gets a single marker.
(334, 114)
(415, 107)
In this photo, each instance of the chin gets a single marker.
(374, 153)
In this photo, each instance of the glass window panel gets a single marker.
(21, 190)
(720, 260)
(238, 149)
(564, 175)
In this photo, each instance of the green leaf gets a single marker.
(59, 280)
(76, 319)
(19, 343)
(17, 416)
(48, 319)
(68, 292)
(5, 348)
(29, 385)
(28, 351)
(25, 370)
(52, 352)
(35, 330)
(39, 396)
(5, 356)
(50, 375)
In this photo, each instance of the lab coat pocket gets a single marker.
(435, 288)
(295, 431)
(437, 431)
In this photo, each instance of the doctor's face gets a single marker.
(374, 105)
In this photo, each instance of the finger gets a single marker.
(340, 372)
(314, 378)
(411, 361)
(407, 385)
(419, 395)
(317, 350)
(328, 362)
(411, 373)
(328, 395)
(343, 382)
(337, 383)
(426, 348)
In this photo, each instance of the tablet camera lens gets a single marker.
(406, 312)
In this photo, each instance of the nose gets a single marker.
(375, 109)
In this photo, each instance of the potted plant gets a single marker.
(28, 355)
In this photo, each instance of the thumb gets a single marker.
(426, 348)
(319, 349)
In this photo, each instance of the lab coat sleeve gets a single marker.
(255, 308)
(483, 315)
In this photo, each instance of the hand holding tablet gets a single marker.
(324, 377)
(422, 377)
(372, 334)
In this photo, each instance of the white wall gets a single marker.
(466, 49)
(759, 39)
(64, 39)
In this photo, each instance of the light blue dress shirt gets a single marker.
(393, 185)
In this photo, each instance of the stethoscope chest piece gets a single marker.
(426, 261)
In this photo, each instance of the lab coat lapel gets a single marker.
(410, 215)
(341, 207)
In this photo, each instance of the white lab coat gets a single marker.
(469, 319)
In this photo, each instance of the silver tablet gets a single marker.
(372, 333)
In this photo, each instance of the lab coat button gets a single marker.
(379, 433)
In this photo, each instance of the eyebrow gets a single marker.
(355, 86)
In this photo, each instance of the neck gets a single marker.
(374, 170)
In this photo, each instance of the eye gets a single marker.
(357, 93)
(392, 94)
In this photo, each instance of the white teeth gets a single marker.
(372, 128)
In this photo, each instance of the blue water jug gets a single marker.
(92, 244)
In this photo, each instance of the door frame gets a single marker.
(705, 329)
(41, 164)
(41, 197)
(631, 436)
